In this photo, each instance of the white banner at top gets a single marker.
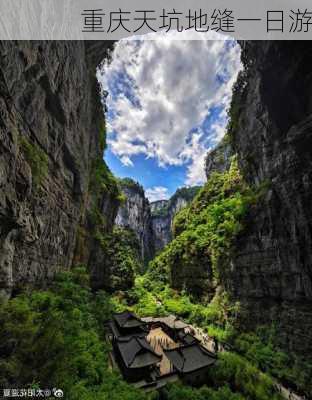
(187, 19)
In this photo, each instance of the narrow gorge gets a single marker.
(150, 221)
(77, 244)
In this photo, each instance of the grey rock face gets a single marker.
(219, 159)
(163, 212)
(48, 97)
(151, 222)
(135, 214)
(271, 270)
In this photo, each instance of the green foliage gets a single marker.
(186, 193)
(102, 180)
(122, 257)
(205, 230)
(180, 221)
(36, 158)
(232, 369)
(150, 297)
(102, 136)
(54, 338)
(140, 299)
(237, 104)
(102, 183)
(97, 218)
(261, 349)
(131, 184)
(179, 391)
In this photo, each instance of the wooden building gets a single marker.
(127, 324)
(136, 358)
(170, 324)
(172, 351)
(191, 362)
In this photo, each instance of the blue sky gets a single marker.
(148, 173)
(167, 108)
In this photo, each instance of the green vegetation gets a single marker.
(122, 257)
(102, 183)
(243, 377)
(102, 180)
(153, 298)
(102, 136)
(237, 103)
(245, 380)
(186, 193)
(204, 232)
(54, 338)
(36, 158)
(131, 184)
(261, 349)
(178, 392)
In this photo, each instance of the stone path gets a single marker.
(159, 341)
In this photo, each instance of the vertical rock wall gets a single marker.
(135, 214)
(271, 269)
(50, 119)
(163, 212)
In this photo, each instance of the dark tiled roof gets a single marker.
(114, 328)
(187, 338)
(171, 321)
(190, 358)
(126, 319)
(117, 334)
(136, 352)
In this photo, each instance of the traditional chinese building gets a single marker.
(191, 362)
(136, 358)
(152, 351)
(126, 324)
(170, 324)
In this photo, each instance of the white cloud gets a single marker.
(174, 85)
(157, 193)
(126, 161)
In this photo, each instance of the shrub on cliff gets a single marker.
(205, 231)
(122, 257)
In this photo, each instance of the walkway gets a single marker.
(209, 343)
(159, 341)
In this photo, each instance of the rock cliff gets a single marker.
(51, 145)
(51, 122)
(219, 159)
(163, 212)
(135, 214)
(270, 271)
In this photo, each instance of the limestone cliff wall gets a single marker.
(135, 214)
(271, 131)
(163, 212)
(50, 122)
